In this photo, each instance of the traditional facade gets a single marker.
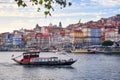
(95, 35)
(110, 35)
(6, 39)
(77, 38)
(17, 39)
(30, 39)
(67, 38)
(86, 35)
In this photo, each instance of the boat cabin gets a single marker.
(28, 55)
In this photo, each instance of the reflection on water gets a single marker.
(48, 67)
(49, 72)
(88, 67)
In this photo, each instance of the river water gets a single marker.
(87, 67)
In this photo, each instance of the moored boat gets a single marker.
(32, 58)
(92, 50)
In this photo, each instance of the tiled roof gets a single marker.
(76, 31)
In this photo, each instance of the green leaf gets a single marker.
(24, 5)
(47, 13)
(38, 9)
(40, 1)
(46, 0)
(20, 2)
(33, 0)
(47, 6)
(36, 3)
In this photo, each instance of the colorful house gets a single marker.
(86, 35)
(6, 39)
(112, 34)
(17, 38)
(95, 35)
(77, 38)
(31, 40)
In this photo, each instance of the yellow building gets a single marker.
(87, 35)
(76, 38)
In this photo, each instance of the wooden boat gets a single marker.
(32, 58)
(92, 51)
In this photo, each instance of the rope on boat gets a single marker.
(16, 56)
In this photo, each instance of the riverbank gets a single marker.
(114, 50)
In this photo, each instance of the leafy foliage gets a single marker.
(107, 43)
(47, 4)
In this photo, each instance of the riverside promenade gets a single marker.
(106, 50)
(78, 51)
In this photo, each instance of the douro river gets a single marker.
(87, 67)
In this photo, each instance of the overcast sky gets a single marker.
(13, 17)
